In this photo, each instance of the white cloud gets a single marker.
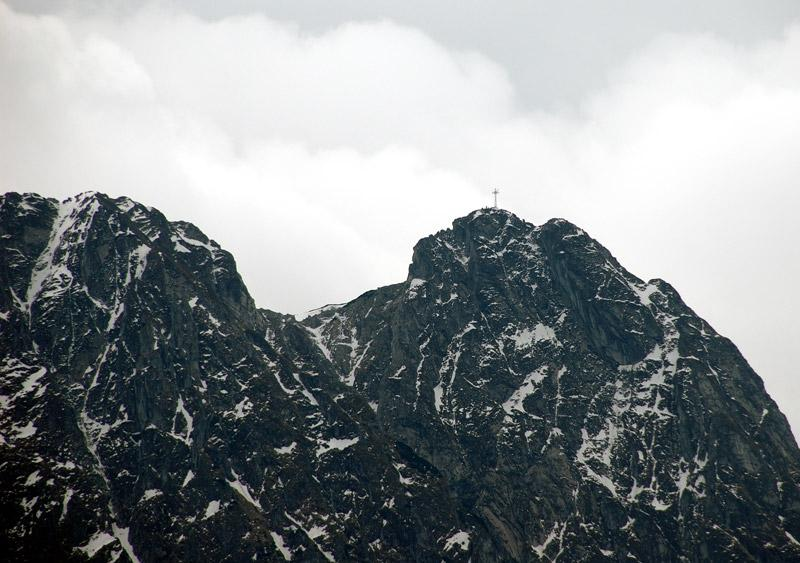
(319, 160)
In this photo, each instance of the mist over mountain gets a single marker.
(519, 397)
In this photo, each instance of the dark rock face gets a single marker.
(519, 397)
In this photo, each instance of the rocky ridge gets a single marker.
(520, 396)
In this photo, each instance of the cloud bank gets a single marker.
(320, 159)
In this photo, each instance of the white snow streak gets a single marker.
(460, 539)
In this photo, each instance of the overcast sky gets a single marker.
(318, 144)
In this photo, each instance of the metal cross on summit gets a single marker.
(495, 192)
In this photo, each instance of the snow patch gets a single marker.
(48, 272)
(140, 255)
(22, 432)
(180, 409)
(300, 317)
(31, 382)
(644, 293)
(438, 392)
(286, 450)
(97, 542)
(335, 444)
(151, 493)
(529, 386)
(396, 375)
(211, 509)
(115, 315)
(241, 409)
(460, 539)
(189, 477)
(242, 489)
(280, 545)
(526, 337)
(65, 504)
(555, 534)
(312, 535)
(122, 535)
(413, 287)
(318, 337)
(33, 478)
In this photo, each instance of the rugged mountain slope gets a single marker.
(150, 411)
(578, 410)
(519, 397)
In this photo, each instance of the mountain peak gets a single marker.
(489, 216)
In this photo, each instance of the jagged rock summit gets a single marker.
(520, 397)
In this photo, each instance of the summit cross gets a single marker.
(495, 192)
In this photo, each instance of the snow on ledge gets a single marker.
(335, 444)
